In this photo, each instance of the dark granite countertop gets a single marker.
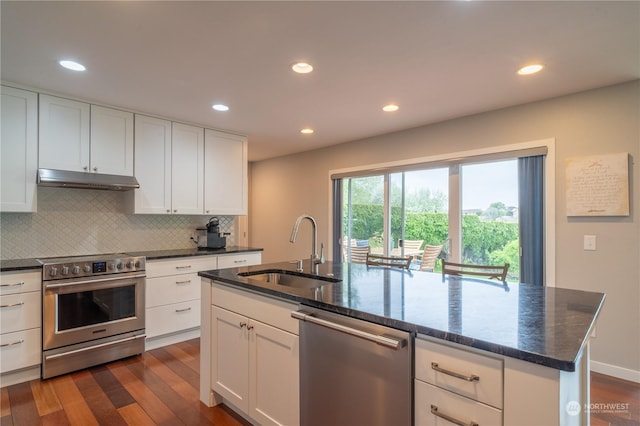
(544, 325)
(19, 265)
(25, 264)
(167, 254)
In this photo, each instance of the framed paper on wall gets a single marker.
(597, 185)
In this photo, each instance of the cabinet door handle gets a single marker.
(12, 304)
(17, 342)
(183, 310)
(249, 327)
(243, 324)
(21, 283)
(183, 282)
(435, 412)
(183, 267)
(470, 378)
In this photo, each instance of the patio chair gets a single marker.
(358, 253)
(430, 257)
(486, 271)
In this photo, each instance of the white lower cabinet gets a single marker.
(172, 299)
(172, 294)
(254, 356)
(20, 326)
(456, 386)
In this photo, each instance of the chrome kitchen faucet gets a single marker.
(315, 260)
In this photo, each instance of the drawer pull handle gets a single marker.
(17, 342)
(435, 412)
(183, 267)
(471, 378)
(13, 285)
(240, 261)
(183, 282)
(12, 305)
(183, 310)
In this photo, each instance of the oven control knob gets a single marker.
(112, 266)
(138, 264)
(86, 268)
(119, 265)
(129, 264)
(76, 269)
(65, 270)
(53, 272)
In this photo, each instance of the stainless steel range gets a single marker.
(93, 311)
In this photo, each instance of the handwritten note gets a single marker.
(598, 185)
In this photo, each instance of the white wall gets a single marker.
(594, 122)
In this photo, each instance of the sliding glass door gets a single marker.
(490, 215)
(363, 217)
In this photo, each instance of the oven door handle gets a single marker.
(116, 278)
(89, 348)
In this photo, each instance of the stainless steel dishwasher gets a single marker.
(353, 372)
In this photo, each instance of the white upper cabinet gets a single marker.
(187, 169)
(225, 173)
(80, 137)
(111, 141)
(64, 134)
(169, 165)
(152, 165)
(19, 150)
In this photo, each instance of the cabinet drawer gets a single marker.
(20, 282)
(23, 349)
(269, 310)
(431, 358)
(449, 404)
(172, 289)
(238, 260)
(181, 265)
(20, 311)
(172, 318)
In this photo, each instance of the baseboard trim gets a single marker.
(20, 376)
(170, 339)
(615, 371)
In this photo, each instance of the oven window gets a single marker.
(96, 306)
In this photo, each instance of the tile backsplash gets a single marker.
(73, 222)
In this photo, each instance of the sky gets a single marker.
(482, 184)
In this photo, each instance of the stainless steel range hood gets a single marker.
(67, 179)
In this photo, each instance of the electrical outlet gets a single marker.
(589, 242)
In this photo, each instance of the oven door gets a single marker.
(82, 310)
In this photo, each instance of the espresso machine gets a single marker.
(210, 236)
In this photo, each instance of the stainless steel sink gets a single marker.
(289, 278)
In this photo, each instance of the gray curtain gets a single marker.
(531, 200)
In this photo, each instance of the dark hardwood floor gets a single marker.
(160, 387)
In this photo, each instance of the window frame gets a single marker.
(494, 153)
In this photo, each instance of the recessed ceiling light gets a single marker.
(306, 131)
(302, 67)
(220, 107)
(72, 65)
(530, 69)
(390, 108)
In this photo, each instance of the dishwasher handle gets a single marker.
(387, 341)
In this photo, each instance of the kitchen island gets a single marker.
(538, 335)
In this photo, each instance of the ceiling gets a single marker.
(436, 60)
